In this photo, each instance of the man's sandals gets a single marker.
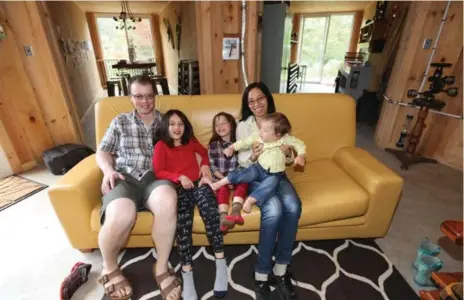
(168, 289)
(119, 286)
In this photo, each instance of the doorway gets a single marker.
(324, 41)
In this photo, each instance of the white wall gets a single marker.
(5, 169)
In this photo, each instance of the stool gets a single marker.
(163, 82)
(111, 85)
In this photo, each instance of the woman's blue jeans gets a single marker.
(279, 223)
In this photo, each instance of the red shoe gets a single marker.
(79, 275)
(227, 224)
(236, 219)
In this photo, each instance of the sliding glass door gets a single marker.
(325, 40)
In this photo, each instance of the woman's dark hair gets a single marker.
(164, 128)
(246, 111)
(233, 126)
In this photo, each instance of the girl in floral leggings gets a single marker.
(175, 159)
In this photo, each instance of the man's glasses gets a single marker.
(140, 97)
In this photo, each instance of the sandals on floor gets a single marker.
(168, 289)
(121, 285)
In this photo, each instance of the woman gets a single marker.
(280, 214)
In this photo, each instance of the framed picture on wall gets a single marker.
(231, 47)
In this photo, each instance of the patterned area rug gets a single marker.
(14, 189)
(323, 270)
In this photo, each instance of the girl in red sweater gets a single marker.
(175, 159)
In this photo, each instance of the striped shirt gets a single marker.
(132, 143)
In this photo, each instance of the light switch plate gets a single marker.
(2, 33)
(28, 50)
(427, 43)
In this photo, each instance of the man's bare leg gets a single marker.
(120, 215)
(163, 204)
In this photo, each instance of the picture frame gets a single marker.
(231, 47)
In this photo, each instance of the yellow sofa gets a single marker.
(346, 193)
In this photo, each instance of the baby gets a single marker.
(274, 132)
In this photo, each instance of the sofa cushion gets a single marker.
(326, 191)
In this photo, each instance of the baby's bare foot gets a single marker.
(249, 202)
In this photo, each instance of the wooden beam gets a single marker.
(60, 64)
(157, 43)
(296, 28)
(251, 44)
(357, 23)
(95, 38)
(201, 61)
(260, 43)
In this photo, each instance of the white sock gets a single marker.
(260, 276)
(279, 270)
(188, 291)
(221, 282)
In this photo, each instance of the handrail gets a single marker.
(430, 110)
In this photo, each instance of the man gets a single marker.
(129, 185)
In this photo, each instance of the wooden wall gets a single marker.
(442, 138)
(70, 25)
(36, 112)
(214, 20)
(188, 38)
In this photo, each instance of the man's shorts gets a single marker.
(137, 191)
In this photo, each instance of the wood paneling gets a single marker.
(34, 112)
(423, 21)
(216, 20)
(156, 35)
(204, 46)
(20, 102)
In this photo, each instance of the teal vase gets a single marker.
(427, 265)
(426, 248)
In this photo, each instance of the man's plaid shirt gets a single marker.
(218, 161)
(131, 143)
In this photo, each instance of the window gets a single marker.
(114, 43)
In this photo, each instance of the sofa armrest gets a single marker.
(74, 197)
(382, 184)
